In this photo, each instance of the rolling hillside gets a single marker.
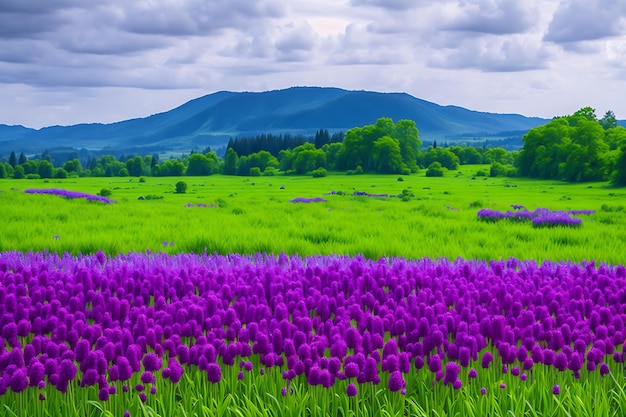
(212, 119)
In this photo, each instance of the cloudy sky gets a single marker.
(73, 61)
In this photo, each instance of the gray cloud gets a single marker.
(388, 4)
(586, 20)
(492, 17)
(493, 55)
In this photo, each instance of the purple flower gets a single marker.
(351, 390)
(523, 377)
(126, 413)
(240, 375)
(483, 391)
(151, 362)
(457, 384)
(452, 373)
(486, 360)
(42, 397)
(503, 385)
(214, 373)
(19, 381)
(153, 390)
(556, 390)
(283, 391)
(472, 374)
(396, 382)
(147, 378)
(604, 369)
(103, 394)
(143, 397)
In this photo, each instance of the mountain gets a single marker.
(212, 119)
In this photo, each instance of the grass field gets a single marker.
(101, 335)
(249, 215)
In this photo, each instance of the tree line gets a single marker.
(384, 147)
(573, 148)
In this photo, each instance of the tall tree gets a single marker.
(12, 159)
(608, 121)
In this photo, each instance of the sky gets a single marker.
(65, 62)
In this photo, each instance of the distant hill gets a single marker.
(212, 119)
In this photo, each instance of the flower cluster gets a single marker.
(70, 194)
(308, 200)
(538, 217)
(94, 320)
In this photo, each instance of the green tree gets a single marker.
(199, 165)
(60, 173)
(230, 162)
(18, 172)
(181, 187)
(12, 159)
(387, 155)
(619, 175)
(22, 160)
(608, 121)
(3, 171)
(73, 165)
(408, 137)
(136, 166)
(470, 155)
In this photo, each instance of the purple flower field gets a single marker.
(95, 320)
(540, 217)
(69, 194)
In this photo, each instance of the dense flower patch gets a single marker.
(93, 320)
(538, 217)
(307, 200)
(70, 194)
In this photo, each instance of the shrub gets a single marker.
(319, 172)
(33, 176)
(181, 187)
(482, 173)
(270, 172)
(142, 179)
(255, 172)
(435, 170)
(105, 192)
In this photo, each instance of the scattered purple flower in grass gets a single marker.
(503, 385)
(556, 390)
(483, 391)
(153, 390)
(283, 391)
(56, 237)
(143, 397)
(403, 392)
(240, 375)
(472, 374)
(42, 397)
(139, 387)
(351, 390)
(457, 384)
(248, 366)
(126, 413)
(523, 377)
(262, 371)
(125, 388)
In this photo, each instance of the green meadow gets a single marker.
(436, 219)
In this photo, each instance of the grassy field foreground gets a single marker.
(223, 214)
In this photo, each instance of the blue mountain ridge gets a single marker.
(213, 119)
